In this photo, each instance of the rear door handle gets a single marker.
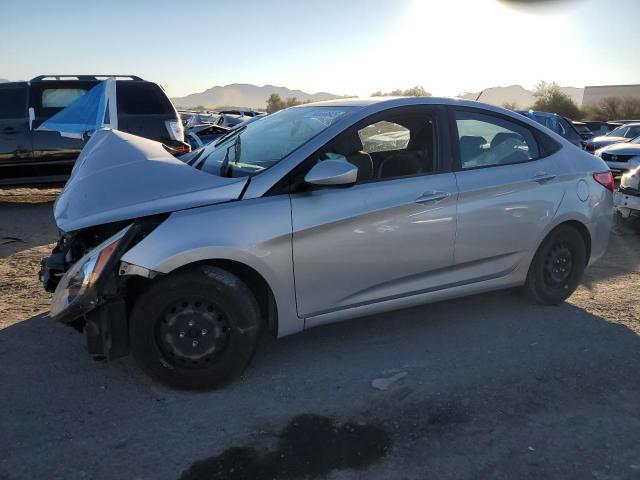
(427, 197)
(543, 177)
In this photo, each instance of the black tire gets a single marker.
(557, 266)
(196, 329)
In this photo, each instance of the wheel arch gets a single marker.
(251, 277)
(254, 280)
(584, 232)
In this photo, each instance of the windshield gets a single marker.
(250, 149)
(635, 140)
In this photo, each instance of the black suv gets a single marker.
(31, 156)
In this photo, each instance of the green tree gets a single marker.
(510, 105)
(275, 103)
(549, 98)
(416, 91)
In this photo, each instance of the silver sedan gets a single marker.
(316, 214)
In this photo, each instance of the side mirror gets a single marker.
(332, 172)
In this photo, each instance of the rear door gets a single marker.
(509, 191)
(15, 141)
(392, 233)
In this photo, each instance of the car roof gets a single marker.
(402, 101)
(378, 104)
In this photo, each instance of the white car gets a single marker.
(627, 198)
(621, 157)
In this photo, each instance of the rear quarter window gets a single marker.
(142, 99)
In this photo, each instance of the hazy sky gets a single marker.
(343, 47)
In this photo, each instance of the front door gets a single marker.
(51, 149)
(15, 143)
(389, 235)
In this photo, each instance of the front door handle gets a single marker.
(427, 197)
(543, 177)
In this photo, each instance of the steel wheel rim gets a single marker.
(558, 266)
(193, 333)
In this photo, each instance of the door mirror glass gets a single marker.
(332, 172)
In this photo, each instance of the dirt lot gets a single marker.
(490, 386)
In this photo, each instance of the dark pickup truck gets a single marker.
(28, 155)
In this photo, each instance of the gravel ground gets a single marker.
(489, 386)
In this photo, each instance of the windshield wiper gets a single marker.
(229, 134)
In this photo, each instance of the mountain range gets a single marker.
(242, 95)
(245, 95)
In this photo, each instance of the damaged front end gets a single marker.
(90, 285)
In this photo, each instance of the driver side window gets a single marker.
(402, 145)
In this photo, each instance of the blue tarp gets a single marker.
(85, 114)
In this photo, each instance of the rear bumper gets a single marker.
(627, 202)
(600, 227)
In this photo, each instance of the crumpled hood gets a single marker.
(119, 176)
(623, 149)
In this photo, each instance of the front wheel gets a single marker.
(195, 329)
(557, 266)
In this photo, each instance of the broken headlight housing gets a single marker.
(82, 277)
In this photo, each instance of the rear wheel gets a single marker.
(195, 329)
(557, 266)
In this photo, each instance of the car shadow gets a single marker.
(488, 380)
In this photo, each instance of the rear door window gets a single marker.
(136, 98)
(487, 140)
(13, 102)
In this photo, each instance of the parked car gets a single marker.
(296, 220)
(29, 155)
(621, 157)
(192, 119)
(627, 197)
(621, 134)
(583, 130)
(200, 135)
(232, 118)
(242, 113)
(554, 122)
(601, 128)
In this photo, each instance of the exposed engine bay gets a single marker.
(95, 283)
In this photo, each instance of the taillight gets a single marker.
(606, 180)
(176, 130)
